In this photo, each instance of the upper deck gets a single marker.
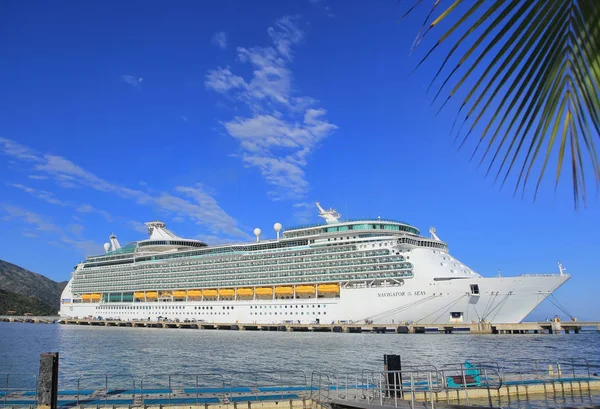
(388, 225)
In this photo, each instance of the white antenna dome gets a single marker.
(257, 233)
(277, 227)
(106, 247)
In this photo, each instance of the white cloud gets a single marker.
(38, 226)
(49, 197)
(284, 34)
(223, 80)
(138, 227)
(196, 205)
(132, 80)
(33, 220)
(40, 194)
(87, 208)
(284, 128)
(220, 40)
(76, 229)
(38, 177)
(303, 212)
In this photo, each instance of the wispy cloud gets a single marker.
(87, 208)
(138, 227)
(40, 194)
(33, 220)
(284, 128)
(220, 40)
(76, 229)
(132, 80)
(303, 212)
(191, 203)
(37, 226)
(49, 197)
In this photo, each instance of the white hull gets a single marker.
(354, 271)
(501, 300)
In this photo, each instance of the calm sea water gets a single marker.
(141, 351)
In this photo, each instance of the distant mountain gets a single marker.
(16, 304)
(16, 281)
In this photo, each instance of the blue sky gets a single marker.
(219, 117)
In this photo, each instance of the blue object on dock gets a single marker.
(471, 377)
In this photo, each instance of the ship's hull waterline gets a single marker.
(511, 300)
(365, 270)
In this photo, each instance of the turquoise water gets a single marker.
(151, 351)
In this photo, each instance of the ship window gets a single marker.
(456, 315)
(475, 289)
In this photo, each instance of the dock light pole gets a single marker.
(48, 381)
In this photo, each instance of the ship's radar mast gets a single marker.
(330, 216)
(433, 233)
(114, 243)
(561, 269)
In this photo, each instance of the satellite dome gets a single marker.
(257, 232)
(106, 247)
(277, 227)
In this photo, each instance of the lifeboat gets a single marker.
(305, 289)
(152, 294)
(328, 288)
(166, 294)
(180, 294)
(96, 296)
(194, 293)
(86, 296)
(284, 290)
(139, 295)
(226, 292)
(245, 292)
(264, 291)
(210, 293)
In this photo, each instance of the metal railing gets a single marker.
(426, 384)
(21, 385)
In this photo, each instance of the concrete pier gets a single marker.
(566, 327)
(415, 328)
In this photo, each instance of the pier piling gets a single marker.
(48, 381)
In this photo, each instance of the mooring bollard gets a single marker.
(48, 381)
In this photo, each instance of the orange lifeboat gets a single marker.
(284, 290)
(226, 292)
(305, 289)
(264, 291)
(210, 293)
(245, 292)
(328, 288)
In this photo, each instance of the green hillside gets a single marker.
(24, 291)
(16, 304)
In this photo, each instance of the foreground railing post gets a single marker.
(412, 391)
(48, 381)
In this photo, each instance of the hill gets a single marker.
(17, 282)
(16, 304)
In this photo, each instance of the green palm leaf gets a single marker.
(528, 74)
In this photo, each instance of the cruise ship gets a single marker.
(354, 271)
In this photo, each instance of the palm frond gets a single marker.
(528, 73)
